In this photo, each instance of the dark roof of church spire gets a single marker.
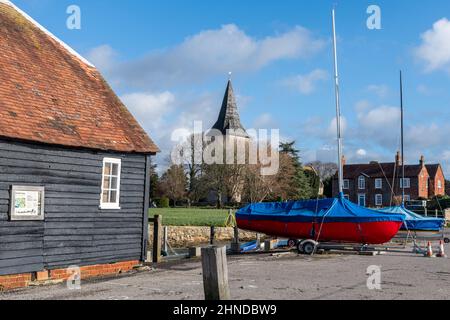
(229, 116)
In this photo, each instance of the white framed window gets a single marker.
(362, 200)
(378, 183)
(407, 198)
(405, 183)
(361, 183)
(378, 199)
(346, 184)
(439, 184)
(347, 197)
(110, 197)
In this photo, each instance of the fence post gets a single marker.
(165, 237)
(215, 274)
(157, 232)
(235, 245)
(212, 235)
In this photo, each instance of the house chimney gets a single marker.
(398, 159)
(344, 161)
(422, 161)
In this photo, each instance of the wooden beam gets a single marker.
(146, 209)
(215, 274)
(212, 236)
(157, 235)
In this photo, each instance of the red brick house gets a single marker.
(379, 184)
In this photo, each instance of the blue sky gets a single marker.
(169, 62)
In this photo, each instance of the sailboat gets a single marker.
(414, 221)
(325, 220)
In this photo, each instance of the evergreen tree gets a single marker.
(300, 182)
(154, 182)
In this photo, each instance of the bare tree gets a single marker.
(173, 183)
(324, 170)
(257, 187)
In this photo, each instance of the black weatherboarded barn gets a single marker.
(74, 163)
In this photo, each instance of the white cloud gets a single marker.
(161, 113)
(306, 84)
(424, 89)
(380, 118)
(375, 136)
(428, 135)
(264, 121)
(361, 153)
(150, 109)
(362, 106)
(381, 90)
(446, 155)
(332, 128)
(210, 53)
(435, 47)
(102, 57)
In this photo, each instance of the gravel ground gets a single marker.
(262, 276)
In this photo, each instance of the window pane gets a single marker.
(106, 183)
(107, 169)
(115, 169)
(113, 198)
(105, 196)
(113, 183)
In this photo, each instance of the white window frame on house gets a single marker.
(439, 184)
(378, 183)
(362, 183)
(407, 198)
(362, 195)
(347, 197)
(406, 182)
(378, 199)
(346, 184)
(108, 204)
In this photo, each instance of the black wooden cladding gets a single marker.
(75, 231)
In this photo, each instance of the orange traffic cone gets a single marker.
(441, 253)
(429, 253)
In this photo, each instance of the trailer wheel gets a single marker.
(307, 247)
(300, 247)
(447, 240)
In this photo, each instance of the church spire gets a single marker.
(229, 116)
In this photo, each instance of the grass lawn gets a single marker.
(191, 216)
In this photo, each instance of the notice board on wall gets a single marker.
(27, 203)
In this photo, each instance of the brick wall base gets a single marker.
(17, 281)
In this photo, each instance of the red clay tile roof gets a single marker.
(433, 169)
(375, 170)
(50, 95)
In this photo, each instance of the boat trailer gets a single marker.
(398, 245)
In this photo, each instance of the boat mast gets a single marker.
(338, 108)
(402, 138)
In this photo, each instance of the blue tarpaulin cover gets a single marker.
(328, 210)
(416, 222)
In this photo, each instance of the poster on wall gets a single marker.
(27, 203)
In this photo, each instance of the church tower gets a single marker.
(230, 127)
(229, 121)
